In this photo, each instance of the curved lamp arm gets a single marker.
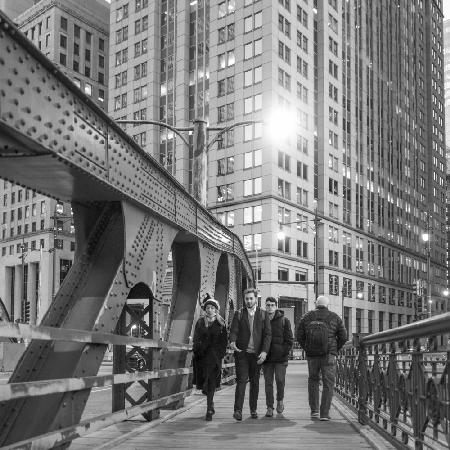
(177, 131)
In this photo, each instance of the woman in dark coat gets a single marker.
(210, 343)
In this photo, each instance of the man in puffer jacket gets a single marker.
(277, 358)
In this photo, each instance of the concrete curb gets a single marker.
(375, 440)
(119, 440)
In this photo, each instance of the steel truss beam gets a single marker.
(129, 214)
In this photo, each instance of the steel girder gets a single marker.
(129, 213)
(47, 125)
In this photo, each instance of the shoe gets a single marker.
(253, 414)
(325, 418)
(314, 415)
(280, 406)
(269, 412)
(208, 416)
(237, 415)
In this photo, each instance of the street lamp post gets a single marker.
(201, 146)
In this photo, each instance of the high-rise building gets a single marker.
(37, 239)
(447, 132)
(361, 173)
(447, 85)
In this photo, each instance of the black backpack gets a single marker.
(317, 332)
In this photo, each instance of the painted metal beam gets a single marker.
(12, 391)
(90, 158)
(43, 333)
(68, 434)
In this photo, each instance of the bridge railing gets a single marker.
(399, 384)
(17, 391)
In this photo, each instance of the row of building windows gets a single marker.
(21, 248)
(140, 48)
(22, 195)
(23, 212)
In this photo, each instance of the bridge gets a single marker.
(130, 214)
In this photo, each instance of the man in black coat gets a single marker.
(277, 358)
(321, 353)
(250, 336)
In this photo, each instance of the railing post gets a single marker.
(393, 398)
(417, 392)
(362, 394)
(119, 366)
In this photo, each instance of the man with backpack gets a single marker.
(277, 358)
(250, 336)
(321, 334)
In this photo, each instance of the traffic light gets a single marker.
(26, 312)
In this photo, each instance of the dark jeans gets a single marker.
(246, 370)
(327, 366)
(279, 370)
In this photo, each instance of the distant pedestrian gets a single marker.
(210, 343)
(321, 334)
(278, 356)
(250, 336)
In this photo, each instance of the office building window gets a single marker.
(284, 189)
(283, 274)
(225, 166)
(253, 76)
(225, 193)
(252, 214)
(226, 218)
(333, 284)
(252, 187)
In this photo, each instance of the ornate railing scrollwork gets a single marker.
(397, 382)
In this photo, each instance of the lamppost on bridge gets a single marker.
(201, 147)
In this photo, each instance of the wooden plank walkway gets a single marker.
(292, 429)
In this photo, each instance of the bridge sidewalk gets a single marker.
(290, 430)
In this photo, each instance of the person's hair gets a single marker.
(272, 300)
(251, 291)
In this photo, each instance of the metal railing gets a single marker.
(399, 383)
(13, 391)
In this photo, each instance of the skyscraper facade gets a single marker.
(37, 239)
(447, 84)
(340, 168)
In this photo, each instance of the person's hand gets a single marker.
(261, 358)
(234, 348)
